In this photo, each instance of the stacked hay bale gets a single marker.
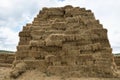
(67, 40)
(25, 37)
(117, 61)
(6, 60)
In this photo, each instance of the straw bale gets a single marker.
(37, 32)
(76, 19)
(26, 28)
(44, 9)
(93, 47)
(62, 20)
(18, 70)
(59, 25)
(85, 57)
(36, 19)
(57, 37)
(84, 42)
(50, 42)
(22, 38)
(104, 42)
(106, 51)
(37, 43)
(96, 46)
(23, 43)
(34, 48)
(29, 24)
(38, 37)
(11, 56)
(75, 31)
(35, 28)
(23, 47)
(21, 54)
(58, 70)
(36, 23)
(40, 27)
(73, 26)
(50, 58)
(25, 38)
(69, 37)
(55, 12)
(9, 61)
(70, 60)
(38, 54)
(100, 32)
(52, 49)
(94, 37)
(76, 12)
(3, 56)
(54, 32)
(73, 52)
(66, 48)
(87, 47)
(41, 65)
(69, 12)
(5, 65)
(24, 34)
(2, 60)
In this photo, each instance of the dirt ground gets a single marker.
(36, 75)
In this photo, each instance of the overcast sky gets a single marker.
(14, 14)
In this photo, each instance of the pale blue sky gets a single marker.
(14, 14)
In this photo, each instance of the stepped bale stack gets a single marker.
(6, 59)
(66, 41)
(117, 61)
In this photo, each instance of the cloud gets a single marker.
(8, 39)
(16, 13)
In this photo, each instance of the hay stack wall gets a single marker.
(6, 59)
(117, 61)
(66, 41)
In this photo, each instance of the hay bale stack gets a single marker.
(67, 40)
(117, 61)
(6, 59)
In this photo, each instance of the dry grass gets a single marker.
(37, 75)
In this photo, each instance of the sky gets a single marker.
(14, 14)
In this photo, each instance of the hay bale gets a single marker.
(71, 32)
(69, 37)
(23, 47)
(59, 26)
(23, 43)
(41, 65)
(70, 12)
(55, 12)
(21, 54)
(96, 46)
(70, 60)
(24, 34)
(36, 19)
(58, 70)
(57, 37)
(50, 42)
(37, 54)
(37, 32)
(50, 58)
(38, 43)
(18, 70)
